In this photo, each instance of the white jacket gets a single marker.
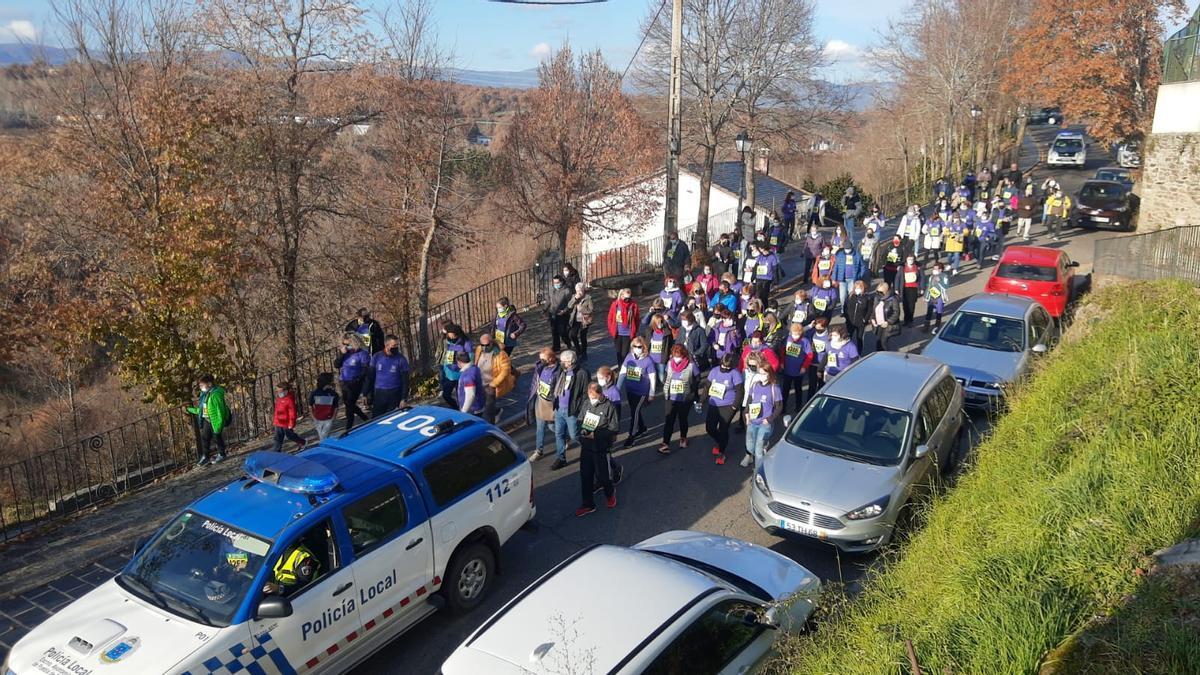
(910, 227)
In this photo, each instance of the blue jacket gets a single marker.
(730, 301)
(390, 372)
(847, 265)
(353, 366)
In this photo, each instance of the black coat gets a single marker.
(696, 342)
(891, 312)
(858, 310)
(374, 333)
(578, 389)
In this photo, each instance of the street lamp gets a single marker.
(743, 143)
(976, 111)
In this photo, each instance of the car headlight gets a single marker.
(872, 510)
(997, 386)
(760, 482)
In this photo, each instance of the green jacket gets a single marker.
(214, 403)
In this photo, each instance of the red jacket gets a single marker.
(765, 352)
(285, 411)
(629, 316)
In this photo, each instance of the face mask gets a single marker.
(204, 389)
(870, 234)
(637, 351)
(858, 291)
(687, 325)
(755, 344)
(814, 234)
(761, 377)
(938, 272)
(499, 310)
(557, 285)
(707, 270)
(280, 394)
(837, 343)
(727, 322)
(602, 381)
(594, 400)
(677, 359)
(392, 350)
(825, 284)
(911, 262)
(797, 335)
(725, 368)
(625, 297)
(825, 252)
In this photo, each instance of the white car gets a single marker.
(308, 563)
(1068, 149)
(1129, 154)
(680, 602)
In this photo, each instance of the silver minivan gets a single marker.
(872, 440)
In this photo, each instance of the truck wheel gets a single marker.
(469, 577)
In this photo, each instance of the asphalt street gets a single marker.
(685, 490)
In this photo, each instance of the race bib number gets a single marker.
(799, 316)
(910, 277)
(933, 232)
(620, 317)
(754, 411)
(590, 421)
(544, 390)
(774, 241)
(721, 338)
(668, 301)
(717, 390)
(819, 346)
(823, 267)
(761, 270)
(633, 374)
(793, 349)
(676, 387)
(979, 232)
(935, 293)
(656, 346)
(831, 360)
(820, 304)
(448, 359)
(499, 335)
(893, 255)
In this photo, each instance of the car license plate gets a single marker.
(802, 529)
(1100, 219)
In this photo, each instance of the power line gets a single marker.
(644, 36)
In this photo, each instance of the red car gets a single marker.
(1043, 274)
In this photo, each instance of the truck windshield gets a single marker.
(196, 567)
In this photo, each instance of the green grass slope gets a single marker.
(1096, 465)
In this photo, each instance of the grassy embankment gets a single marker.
(1096, 466)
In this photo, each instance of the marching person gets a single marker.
(724, 396)
(353, 364)
(607, 379)
(659, 336)
(580, 312)
(766, 270)
(570, 275)
(509, 325)
(388, 378)
(212, 415)
(722, 256)
(846, 269)
(671, 297)
(726, 337)
(814, 245)
(570, 387)
(284, 417)
(541, 398)
(910, 280)
(841, 353)
(707, 281)
(818, 337)
(851, 211)
(857, 311)
(889, 257)
(936, 296)
(1058, 209)
(1027, 204)
(637, 380)
(956, 234)
(755, 345)
(910, 228)
(470, 396)
(797, 357)
(367, 329)
(885, 316)
(456, 343)
(599, 425)
(763, 404)
(495, 368)
(933, 230)
(557, 312)
(825, 298)
(789, 214)
(676, 257)
(623, 320)
(802, 309)
(985, 236)
(680, 389)
(323, 402)
(724, 297)
(694, 338)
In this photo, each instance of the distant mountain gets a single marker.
(15, 53)
(510, 79)
(861, 95)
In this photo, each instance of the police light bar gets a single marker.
(290, 473)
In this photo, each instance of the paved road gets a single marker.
(685, 490)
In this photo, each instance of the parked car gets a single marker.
(308, 562)
(1105, 203)
(1115, 173)
(680, 602)
(1068, 149)
(873, 440)
(1129, 154)
(990, 342)
(1050, 115)
(1043, 274)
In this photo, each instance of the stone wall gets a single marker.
(1170, 183)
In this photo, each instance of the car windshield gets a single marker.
(1102, 191)
(860, 431)
(1023, 272)
(196, 567)
(1108, 174)
(997, 333)
(1068, 145)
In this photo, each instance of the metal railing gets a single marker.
(1180, 53)
(55, 483)
(1166, 254)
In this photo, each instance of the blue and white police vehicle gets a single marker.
(309, 562)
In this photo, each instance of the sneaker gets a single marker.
(747, 460)
(537, 454)
(720, 459)
(558, 464)
(683, 442)
(300, 445)
(612, 501)
(584, 510)
(202, 462)
(716, 451)
(954, 273)
(219, 458)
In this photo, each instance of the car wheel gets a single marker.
(958, 452)
(469, 577)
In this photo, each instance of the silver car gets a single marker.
(873, 439)
(989, 344)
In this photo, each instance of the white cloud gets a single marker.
(540, 51)
(837, 49)
(19, 29)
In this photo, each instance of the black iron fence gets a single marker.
(1166, 254)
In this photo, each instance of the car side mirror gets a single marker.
(1040, 348)
(921, 451)
(1073, 263)
(141, 544)
(787, 420)
(273, 607)
(769, 619)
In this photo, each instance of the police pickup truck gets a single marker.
(309, 562)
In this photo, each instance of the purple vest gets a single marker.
(722, 387)
(794, 353)
(765, 397)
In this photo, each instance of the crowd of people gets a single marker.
(714, 342)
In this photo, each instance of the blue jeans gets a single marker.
(850, 222)
(541, 433)
(843, 293)
(564, 424)
(955, 260)
(757, 436)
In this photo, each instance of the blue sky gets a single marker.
(497, 36)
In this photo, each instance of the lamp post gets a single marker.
(976, 111)
(743, 143)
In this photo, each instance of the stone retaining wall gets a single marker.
(1170, 183)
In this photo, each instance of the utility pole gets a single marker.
(674, 121)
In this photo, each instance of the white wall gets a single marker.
(1176, 110)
